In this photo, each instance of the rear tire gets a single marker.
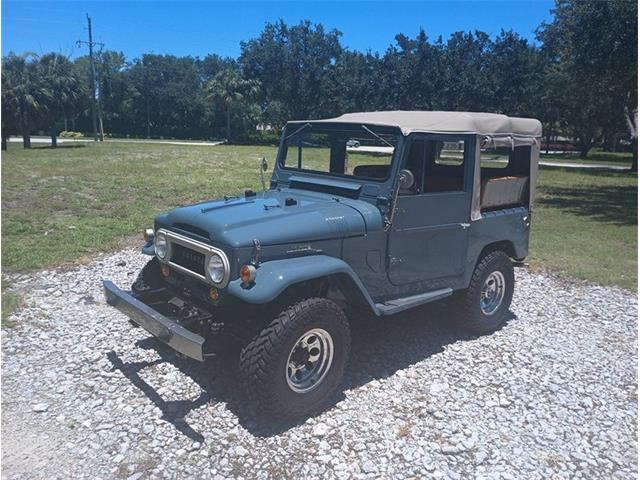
(294, 365)
(486, 302)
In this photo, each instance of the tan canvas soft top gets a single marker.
(501, 129)
(494, 129)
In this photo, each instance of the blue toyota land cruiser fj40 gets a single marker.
(377, 212)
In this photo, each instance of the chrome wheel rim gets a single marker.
(309, 360)
(492, 293)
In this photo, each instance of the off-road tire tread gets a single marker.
(257, 356)
(469, 305)
(149, 277)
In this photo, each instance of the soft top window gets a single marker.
(358, 151)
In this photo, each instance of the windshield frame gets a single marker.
(353, 128)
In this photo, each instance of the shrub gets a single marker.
(68, 134)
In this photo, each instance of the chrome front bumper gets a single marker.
(161, 327)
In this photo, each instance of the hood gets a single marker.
(273, 217)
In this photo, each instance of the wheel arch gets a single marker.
(295, 278)
(506, 246)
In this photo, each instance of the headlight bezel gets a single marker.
(222, 269)
(157, 238)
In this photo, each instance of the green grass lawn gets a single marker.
(62, 205)
(585, 225)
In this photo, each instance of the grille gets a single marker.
(187, 258)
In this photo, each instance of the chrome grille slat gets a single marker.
(197, 247)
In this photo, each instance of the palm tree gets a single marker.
(229, 90)
(24, 96)
(65, 90)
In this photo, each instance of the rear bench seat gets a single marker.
(502, 192)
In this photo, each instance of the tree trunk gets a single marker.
(608, 141)
(585, 145)
(54, 138)
(4, 140)
(584, 151)
(631, 115)
(26, 134)
(228, 124)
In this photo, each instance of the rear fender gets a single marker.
(273, 277)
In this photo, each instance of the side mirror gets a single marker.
(263, 168)
(406, 179)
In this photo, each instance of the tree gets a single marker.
(25, 97)
(114, 90)
(594, 46)
(414, 73)
(232, 93)
(167, 97)
(468, 85)
(513, 68)
(292, 64)
(65, 91)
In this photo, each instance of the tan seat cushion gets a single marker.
(502, 191)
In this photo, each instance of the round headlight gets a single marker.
(160, 244)
(215, 267)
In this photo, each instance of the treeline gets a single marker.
(580, 80)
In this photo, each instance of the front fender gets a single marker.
(273, 277)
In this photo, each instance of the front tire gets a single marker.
(486, 302)
(294, 365)
(149, 278)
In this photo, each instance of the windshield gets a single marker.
(358, 151)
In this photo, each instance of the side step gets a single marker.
(399, 304)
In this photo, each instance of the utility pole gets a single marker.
(146, 98)
(96, 111)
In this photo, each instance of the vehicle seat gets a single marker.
(502, 191)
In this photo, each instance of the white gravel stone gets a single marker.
(320, 430)
(553, 394)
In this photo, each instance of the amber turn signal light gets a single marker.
(166, 271)
(148, 235)
(247, 274)
(213, 294)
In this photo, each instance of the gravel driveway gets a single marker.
(551, 395)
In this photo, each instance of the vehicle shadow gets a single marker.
(380, 347)
(59, 146)
(608, 204)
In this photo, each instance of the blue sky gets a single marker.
(199, 28)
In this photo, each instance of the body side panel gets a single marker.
(510, 226)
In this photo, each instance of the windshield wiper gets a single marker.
(376, 135)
